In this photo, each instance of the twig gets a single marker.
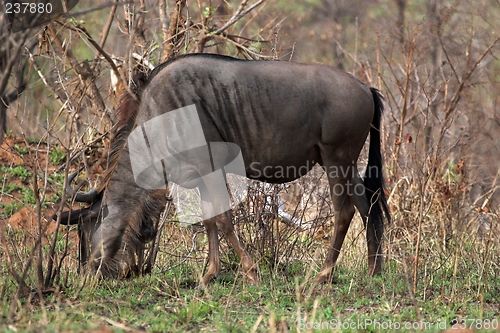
(163, 18)
(174, 22)
(77, 151)
(238, 15)
(242, 47)
(42, 77)
(13, 57)
(103, 6)
(23, 287)
(81, 29)
(83, 70)
(451, 105)
(248, 39)
(187, 256)
(192, 26)
(143, 60)
(107, 27)
(116, 324)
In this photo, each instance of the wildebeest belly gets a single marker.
(276, 146)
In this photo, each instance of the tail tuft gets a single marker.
(374, 176)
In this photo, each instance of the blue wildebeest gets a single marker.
(282, 115)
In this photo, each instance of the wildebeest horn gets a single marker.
(79, 196)
(73, 217)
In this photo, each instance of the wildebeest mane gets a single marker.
(126, 116)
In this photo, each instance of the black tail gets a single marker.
(374, 176)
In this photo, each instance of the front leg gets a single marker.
(213, 252)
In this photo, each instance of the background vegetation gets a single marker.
(435, 61)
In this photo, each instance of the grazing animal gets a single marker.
(281, 115)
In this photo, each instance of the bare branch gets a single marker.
(250, 54)
(13, 47)
(23, 287)
(107, 27)
(163, 19)
(83, 70)
(106, 56)
(140, 58)
(238, 15)
(42, 77)
(170, 40)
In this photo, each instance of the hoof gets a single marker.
(198, 286)
(252, 282)
(375, 271)
(322, 279)
(205, 280)
(252, 279)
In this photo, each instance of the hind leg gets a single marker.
(344, 211)
(373, 236)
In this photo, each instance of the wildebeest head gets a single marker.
(140, 229)
(129, 212)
